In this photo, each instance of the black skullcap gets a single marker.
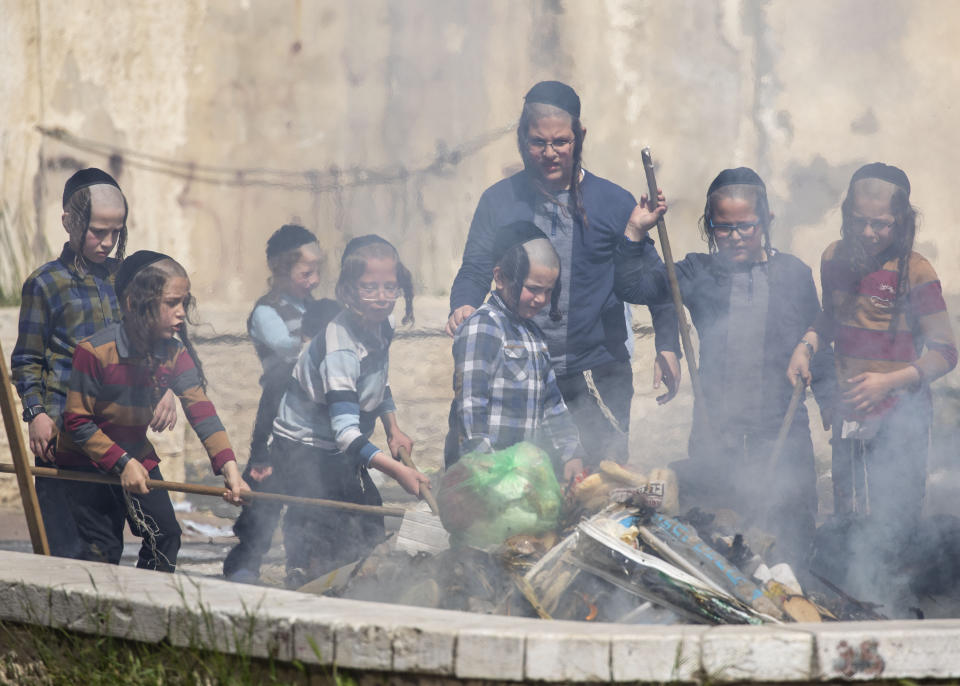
(884, 172)
(288, 237)
(84, 179)
(362, 242)
(557, 94)
(512, 235)
(132, 265)
(741, 176)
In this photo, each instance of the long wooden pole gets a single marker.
(688, 352)
(199, 489)
(21, 462)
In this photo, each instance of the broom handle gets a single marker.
(652, 193)
(198, 489)
(787, 423)
(425, 491)
(21, 462)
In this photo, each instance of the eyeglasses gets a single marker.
(559, 145)
(373, 291)
(745, 229)
(860, 223)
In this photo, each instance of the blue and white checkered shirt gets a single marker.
(505, 389)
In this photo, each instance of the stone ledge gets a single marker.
(146, 606)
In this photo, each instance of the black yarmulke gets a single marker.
(557, 94)
(84, 179)
(132, 265)
(288, 237)
(884, 172)
(512, 235)
(741, 176)
(361, 242)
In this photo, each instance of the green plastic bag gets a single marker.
(485, 498)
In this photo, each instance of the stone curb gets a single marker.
(145, 606)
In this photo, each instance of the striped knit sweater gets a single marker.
(111, 398)
(857, 315)
(340, 386)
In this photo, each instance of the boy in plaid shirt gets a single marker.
(63, 302)
(505, 390)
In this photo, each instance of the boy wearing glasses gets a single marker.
(885, 314)
(583, 217)
(750, 304)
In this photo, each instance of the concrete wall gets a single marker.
(225, 119)
(396, 644)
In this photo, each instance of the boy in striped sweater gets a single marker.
(321, 437)
(883, 309)
(118, 375)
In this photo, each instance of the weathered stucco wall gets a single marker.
(226, 119)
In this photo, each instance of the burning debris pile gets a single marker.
(616, 554)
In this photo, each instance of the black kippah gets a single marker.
(741, 176)
(132, 265)
(512, 235)
(288, 237)
(884, 172)
(84, 179)
(557, 94)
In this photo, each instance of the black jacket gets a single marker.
(793, 305)
(596, 330)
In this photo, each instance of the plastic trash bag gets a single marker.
(485, 498)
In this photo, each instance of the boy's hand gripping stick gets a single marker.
(675, 292)
(425, 491)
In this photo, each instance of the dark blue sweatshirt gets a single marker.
(596, 329)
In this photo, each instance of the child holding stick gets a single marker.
(505, 389)
(118, 374)
(274, 325)
(321, 437)
(750, 303)
(63, 302)
(885, 314)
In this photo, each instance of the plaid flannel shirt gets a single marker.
(505, 390)
(59, 307)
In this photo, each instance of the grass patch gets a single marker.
(34, 654)
(30, 655)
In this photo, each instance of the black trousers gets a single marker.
(255, 525)
(259, 519)
(320, 540)
(101, 511)
(598, 435)
(58, 521)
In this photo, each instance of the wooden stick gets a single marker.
(425, 491)
(218, 491)
(531, 595)
(652, 193)
(787, 423)
(21, 462)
